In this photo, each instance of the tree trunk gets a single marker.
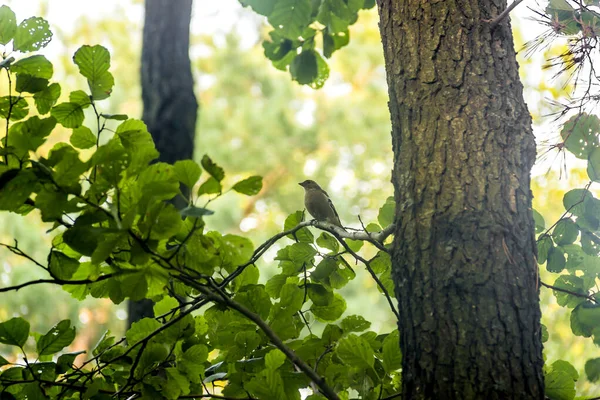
(170, 106)
(464, 251)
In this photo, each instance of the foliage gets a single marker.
(298, 25)
(117, 236)
(570, 247)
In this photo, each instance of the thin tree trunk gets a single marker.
(464, 251)
(170, 106)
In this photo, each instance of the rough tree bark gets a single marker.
(170, 106)
(464, 250)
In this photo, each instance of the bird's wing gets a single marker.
(333, 208)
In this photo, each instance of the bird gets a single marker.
(318, 203)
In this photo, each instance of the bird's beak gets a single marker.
(300, 183)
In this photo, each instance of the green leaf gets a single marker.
(167, 304)
(592, 369)
(30, 134)
(249, 186)
(574, 201)
(82, 238)
(566, 367)
(256, 299)
(262, 7)
(319, 295)
(556, 260)
(115, 117)
(304, 68)
(274, 285)
(279, 50)
(381, 263)
(559, 386)
(544, 245)
(291, 17)
(291, 298)
(575, 256)
(47, 98)
(331, 334)
(573, 284)
(176, 385)
(355, 352)
(14, 107)
(37, 66)
(248, 341)
(62, 266)
(30, 84)
(593, 168)
(65, 361)
(249, 276)
(69, 115)
(332, 311)
(103, 344)
(355, 245)
(302, 235)
(14, 332)
(327, 241)
(153, 355)
(196, 212)
(80, 97)
(274, 359)
(57, 338)
(322, 73)
(545, 335)
(387, 212)
(584, 319)
(33, 391)
(565, 232)
(391, 354)
(329, 272)
(302, 253)
(135, 286)
(334, 41)
(140, 329)
(14, 193)
(538, 219)
(83, 138)
(187, 172)
(138, 143)
(580, 133)
(93, 63)
(213, 169)
(560, 5)
(210, 186)
(192, 362)
(32, 34)
(167, 223)
(267, 385)
(8, 24)
(355, 323)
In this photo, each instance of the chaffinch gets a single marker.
(318, 203)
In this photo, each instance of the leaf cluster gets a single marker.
(305, 31)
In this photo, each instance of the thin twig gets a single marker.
(504, 14)
(56, 282)
(572, 293)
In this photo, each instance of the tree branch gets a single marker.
(56, 282)
(368, 267)
(503, 14)
(217, 296)
(572, 293)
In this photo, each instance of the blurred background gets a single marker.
(254, 120)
